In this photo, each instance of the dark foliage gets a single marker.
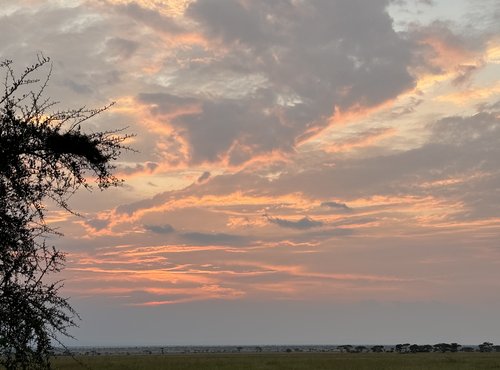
(43, 155)
(486, 347)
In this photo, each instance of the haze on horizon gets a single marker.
(309, 171)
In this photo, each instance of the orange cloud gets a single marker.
(253, 159)
(183, 294)
(467, 226)
(136, 275)
(353, 114)
(405, 215)
(235, 222)
(301, 271)
(56, 216)
(357, 112)
(238, 198)
(453, 181)
(171, 8)
(362, 140)
(446, 54)
(493, 51)
(452, 60)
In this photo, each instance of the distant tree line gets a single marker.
(417, 348)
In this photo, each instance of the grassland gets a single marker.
(289, 361)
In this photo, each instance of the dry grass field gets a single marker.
(286, 361)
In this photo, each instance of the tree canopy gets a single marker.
(44, 154)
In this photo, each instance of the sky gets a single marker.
(307, 171)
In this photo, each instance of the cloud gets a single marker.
(480, 130)
(267, 82)
(160, 229)
(262, 85)
(204, 177)
(302, 224)
(361, 139)
(97, 224)
(447, 174)
(149, 18)
(318, 236)
(147, 167)
(121, 48)
(230, 20)
(162, 104)
(464, 73)
(447, 53)
(232, 131)
(199, 238)
(336, 206)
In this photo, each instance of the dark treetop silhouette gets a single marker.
(44, 154)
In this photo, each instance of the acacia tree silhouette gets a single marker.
(44, 154)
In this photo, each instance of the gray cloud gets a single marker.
(354, 221)
(302, 224)
(199, 238)
(70, 36)
(97, 224)
(478, 132)
(150, 18)
(139, 167)
(204, 176)
(336, 206)
(164, 103)
(118, 47)
(465, 73)
(224, 126)
(234, 129)
(130, 208)
(406, 2)
(160, 229)
(321, 235)
(231, 20)
(308, 60)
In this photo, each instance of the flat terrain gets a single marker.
(285, 361)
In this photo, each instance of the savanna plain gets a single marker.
(288, 361)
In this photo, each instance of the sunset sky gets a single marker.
(308, 171)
